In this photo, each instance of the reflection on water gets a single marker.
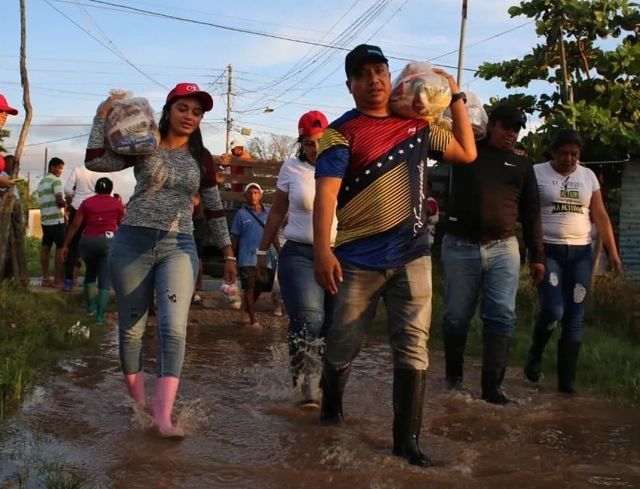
(237, 406)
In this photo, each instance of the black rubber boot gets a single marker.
(408, 400)
(454, 360)
(332, 384)
(539, 339)
(494, 363)
(568, 352)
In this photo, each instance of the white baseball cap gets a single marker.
(237, 142)
(252, 184)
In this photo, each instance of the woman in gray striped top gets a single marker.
(154, 250)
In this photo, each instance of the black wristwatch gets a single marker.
(457, 96)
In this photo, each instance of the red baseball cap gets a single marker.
(191, 90)
(312, 123)
(4, 106)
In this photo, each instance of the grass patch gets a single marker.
(34, 332)
(32, 470)
(610, 354)
(33, 246)
(56, 475)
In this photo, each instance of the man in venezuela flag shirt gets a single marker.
(371, 170)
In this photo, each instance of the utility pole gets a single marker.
(46, 156)
(463, 35)
(229, 119)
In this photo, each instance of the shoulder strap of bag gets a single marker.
(255, 217)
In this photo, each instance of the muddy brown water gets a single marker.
(244, 432)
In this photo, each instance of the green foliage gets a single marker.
(34, 329)
(33, 246)
(34, 203)
(605, 83)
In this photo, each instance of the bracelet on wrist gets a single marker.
(262, 252)
(230, 258)
(458, 96)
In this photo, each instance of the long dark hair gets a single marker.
(300, 154)
(196, 146)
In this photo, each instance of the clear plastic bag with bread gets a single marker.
(420, 93)
(131, 127)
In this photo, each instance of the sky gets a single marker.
(79, 50)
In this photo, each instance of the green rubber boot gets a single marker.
(103, 300)
(90, 297)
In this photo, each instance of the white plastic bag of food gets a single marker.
(477, 116)
(419, 93)
(131, 127)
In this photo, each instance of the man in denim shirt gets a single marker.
(246, 233)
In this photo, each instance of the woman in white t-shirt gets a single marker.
(570, 198)
(309, 307)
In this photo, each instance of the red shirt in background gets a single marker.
(101, 213)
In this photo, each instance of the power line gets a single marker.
(114, 51)
(483, 40)
(241, 30)
(298, 66)
(314, 63)
(52, 140)
(291, 101)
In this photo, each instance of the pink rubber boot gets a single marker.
(135, 387)
(164, 395)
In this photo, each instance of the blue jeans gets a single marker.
(95, 253)
(310, 312)
(406, 292)
(308, 306)
(563, 292)
(145, 260)
(471, 268)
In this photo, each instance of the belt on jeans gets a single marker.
(490, 242)
(481, 242)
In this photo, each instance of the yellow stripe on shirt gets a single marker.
(381, 206)
(331, 138)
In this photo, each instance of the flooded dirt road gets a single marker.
(244, 432)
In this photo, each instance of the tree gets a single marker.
(11, 218)
(276, 147)
(591, 88)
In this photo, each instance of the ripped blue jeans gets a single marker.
(310, 309)
(144, 261)
(563, 292)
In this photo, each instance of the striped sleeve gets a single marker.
(439, 139)
(101, 159)
(56, 185)
(333, 155)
